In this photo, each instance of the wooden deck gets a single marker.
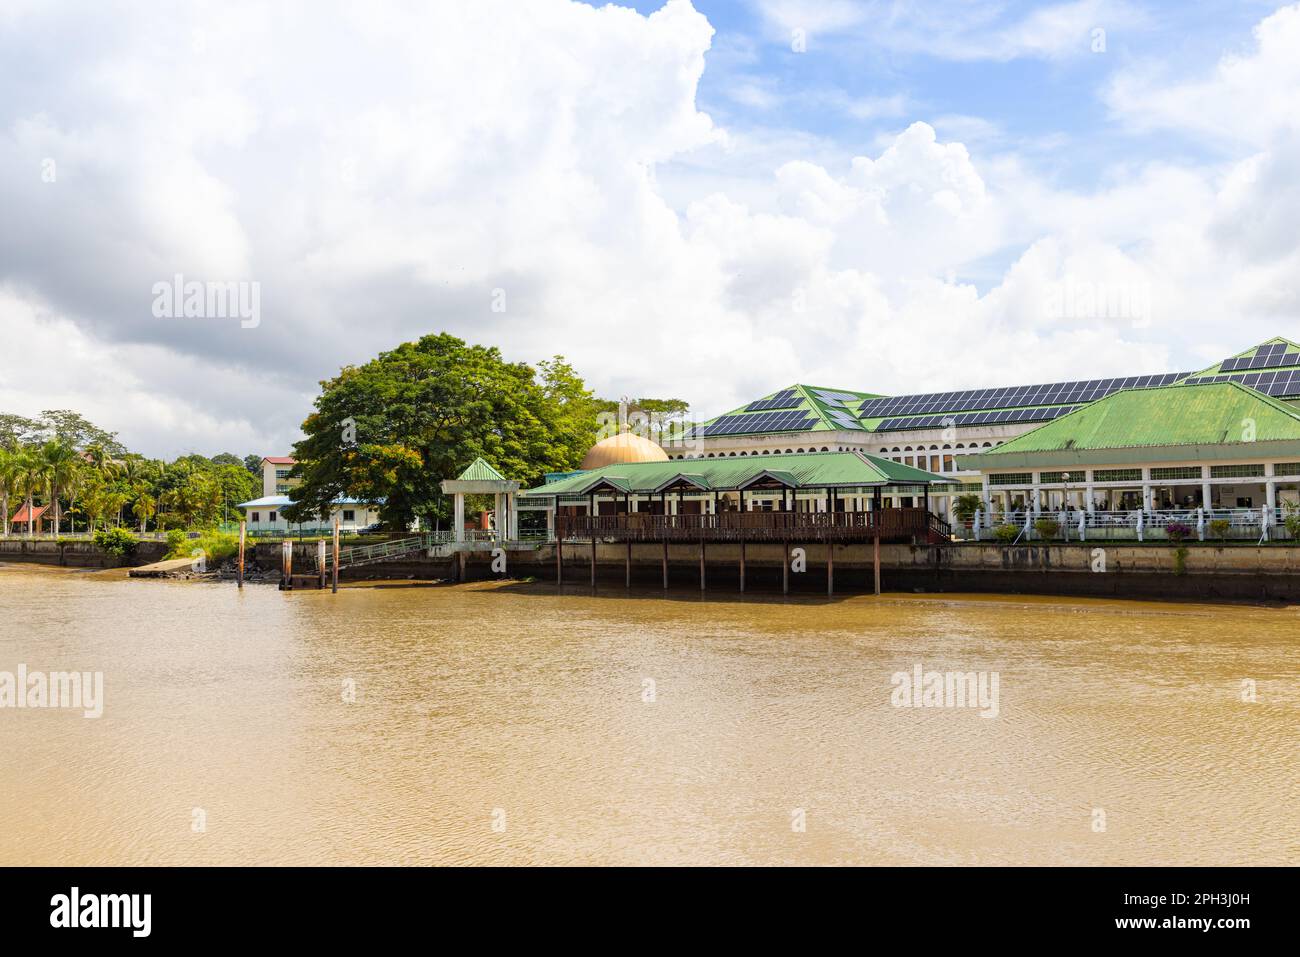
(891, 524)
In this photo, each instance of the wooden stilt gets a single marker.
(629, 563)
(335, 586)
(286, 565)
(876, 552)
(830, 568)
(593, 558)
(243, 531)
(559, 559)
(701, 564)
(665, 564)
(320, 561)
(742, 561)
(785, 570)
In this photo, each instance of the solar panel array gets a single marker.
(834, 398)
(735, 424)
(1057, 393)
(991, 417)
(785, 399)
(844, 419)
(1269, 356)
(1285, 382)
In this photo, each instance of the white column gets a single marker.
(1146, 490)
(458, 512)
(512, 504)
(1089, 491)
(550, 520)
(1205, 487)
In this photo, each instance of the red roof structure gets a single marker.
(279, 460)
(20, 517)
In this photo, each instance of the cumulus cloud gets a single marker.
(385, 173)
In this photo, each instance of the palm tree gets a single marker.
(60, 463)
(145, 506)
(8, 482)
(31, 479)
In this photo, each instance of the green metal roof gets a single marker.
(1229, 418)
(1281, 359)
(480, 471)
(828, 413)
(813, 469)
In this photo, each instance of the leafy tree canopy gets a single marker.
(390, 430)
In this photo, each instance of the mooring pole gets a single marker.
(243, 530)
(629, 563)
(876, 550)
(830, 567)
(286, 564)
(785, 569)
(334, 574)
(593, 556)
(320, 561)
(742, 560)
(559, 556)
(665, 564)
(701, 560)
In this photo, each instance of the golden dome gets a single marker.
(624, 447)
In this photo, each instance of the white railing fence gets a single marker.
(1193, 525)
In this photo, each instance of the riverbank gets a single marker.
(1152, 571)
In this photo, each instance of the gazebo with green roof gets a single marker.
(480, 478)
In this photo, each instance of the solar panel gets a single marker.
(1010, 397)
(991, 417)
(785, 399)
(737, 423)
(1285, 382)
(844, 418)
(834, 398)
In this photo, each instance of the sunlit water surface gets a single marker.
(509, 724)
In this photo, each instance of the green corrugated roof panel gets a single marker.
(816, 401)
(814, 469)
(480, 471)
(1213, 414)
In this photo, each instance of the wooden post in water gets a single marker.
(785, 569)
(876, 550)
(629, 563)
(320, 561)
(286, 564)
(742, 560)
(665, 564)
(335, 572)
(243, 531)
(559, 556)
(701, 559)
(593, 554)
(830, 567)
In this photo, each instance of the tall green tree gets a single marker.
(390, 430)
(9, 482)
(62, 465)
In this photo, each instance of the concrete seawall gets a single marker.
(76, 554)
(1210, 572)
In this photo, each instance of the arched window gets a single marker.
(986, 445)
(825, 449)
(800, 451)
(908, 449)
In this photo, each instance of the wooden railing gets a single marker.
(889, 523)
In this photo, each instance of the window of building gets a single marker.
(1011, 478)
(1236, 471)
(282, 473)
(1117, 475)
(270, 516)
(1287, 468)
(255, 518)
(1180, 472)
(349, 515)
(947, 463)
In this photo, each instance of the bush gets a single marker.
(1047, 528)
(217, 546)
(1219, 528)
(964, 506)
(1292, 523)
(116, 541)
(1177, 531)
(1006, 533)
(1180, 560)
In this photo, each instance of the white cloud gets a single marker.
(382, 174)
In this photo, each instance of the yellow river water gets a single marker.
(509, 724)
